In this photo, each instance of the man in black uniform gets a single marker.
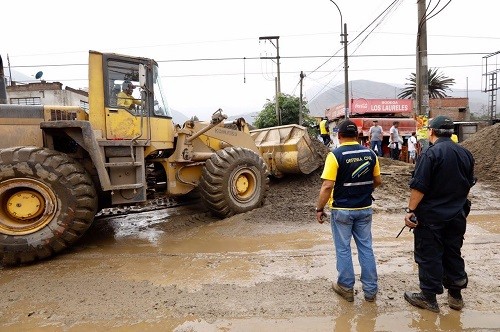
(443, 176)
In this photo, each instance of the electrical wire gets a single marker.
(258, 58)
(283, 72)
(386, 15)
(428, 18)
(295, 88)
(388, 8)
(372, 22)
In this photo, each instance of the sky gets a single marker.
(209, 52)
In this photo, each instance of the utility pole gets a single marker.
(277, 79)
(3, 84)
(422, 75)
(491, 85)
(346, 71)
(277, 103)
(302, 75)
(343, 40)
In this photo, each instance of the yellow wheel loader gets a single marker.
(60, 165)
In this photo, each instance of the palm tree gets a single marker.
(438, 84)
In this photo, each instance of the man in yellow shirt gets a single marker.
(324, 131)
(454, 138)
(352, 171)
(125, 98)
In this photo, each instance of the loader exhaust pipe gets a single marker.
(3, 84)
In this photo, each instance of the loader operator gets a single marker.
(125, 98)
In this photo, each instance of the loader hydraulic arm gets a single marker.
(217, 118)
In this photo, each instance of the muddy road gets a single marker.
(180, 270)
(270, 269)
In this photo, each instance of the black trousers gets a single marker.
(326, 139)
(395, 153)
(438, 254)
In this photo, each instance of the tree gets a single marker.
(438, 84)
(289, 106)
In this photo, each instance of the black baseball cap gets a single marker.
(348, 128)
(441, 122)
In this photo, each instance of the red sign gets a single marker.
(372, 106)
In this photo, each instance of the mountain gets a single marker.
(18, 76)
(178, 117)
(249, 117)
(478, 100)
(357, 89)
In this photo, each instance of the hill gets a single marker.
(357, 89)
(178, 117)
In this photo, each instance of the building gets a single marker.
(363, 111)
(456, 109)
(45, 93)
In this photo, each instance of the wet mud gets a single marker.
(270, 269)
(184, 271)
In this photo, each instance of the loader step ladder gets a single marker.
(126, 169)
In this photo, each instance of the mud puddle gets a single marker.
(183, 271)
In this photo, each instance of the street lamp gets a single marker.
(343, 40)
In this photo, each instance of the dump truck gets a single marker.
(60, 165)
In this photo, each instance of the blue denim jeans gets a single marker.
(378, 144)
(347, 224)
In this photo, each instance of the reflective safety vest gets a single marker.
(354, 183)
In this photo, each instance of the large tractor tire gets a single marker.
(47, 202)
(234, 180)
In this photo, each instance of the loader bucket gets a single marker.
(287, 149)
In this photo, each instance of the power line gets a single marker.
(325, 62)
(376, 18)
(392, 7)
(429, 17)
(433, 35)
(248, 38)
(260, 73)
(258, 58)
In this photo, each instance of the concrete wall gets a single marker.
(456, 109)
(49, 94)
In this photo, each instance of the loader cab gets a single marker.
(127, 100)
(128, 84)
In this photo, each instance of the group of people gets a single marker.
(376, 137)
(436, 212)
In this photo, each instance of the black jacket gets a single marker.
(444, 173)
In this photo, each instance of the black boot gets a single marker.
(455, 300)
(422, 301)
